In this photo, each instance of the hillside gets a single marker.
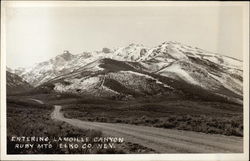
(16, 84)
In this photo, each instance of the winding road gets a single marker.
(159, 139)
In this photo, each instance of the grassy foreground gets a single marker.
(206, 117)
(28, 118)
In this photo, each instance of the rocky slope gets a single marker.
(15, 83)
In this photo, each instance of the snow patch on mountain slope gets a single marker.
(224, 61)
(149, 77)
(146, 56)
(86, 85)
(154, 67)
(110, 90)
(172, 49)
(77, 84)
(177, 70)
(134, 82)
(181, 51)
(231, 84)
(133, 52)
(235, 71)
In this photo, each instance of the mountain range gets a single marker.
(170, 69)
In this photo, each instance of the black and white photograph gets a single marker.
(124, 78)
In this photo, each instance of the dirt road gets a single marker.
(161, 140)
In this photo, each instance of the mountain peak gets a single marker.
(171, 42)
(106, 50)
(66, 55)
(66, 52)
(135, 45)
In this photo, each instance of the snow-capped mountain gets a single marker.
(123, 79)
(133, 52)
(67, 62)
(108, 78)
(142, 71)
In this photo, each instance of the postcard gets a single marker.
(124, 80)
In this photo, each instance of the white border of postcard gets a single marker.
(214, 156)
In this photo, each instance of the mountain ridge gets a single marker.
(174, 61)
(58, 65)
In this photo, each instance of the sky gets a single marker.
(35, 34)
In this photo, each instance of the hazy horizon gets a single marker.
(36, 34)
